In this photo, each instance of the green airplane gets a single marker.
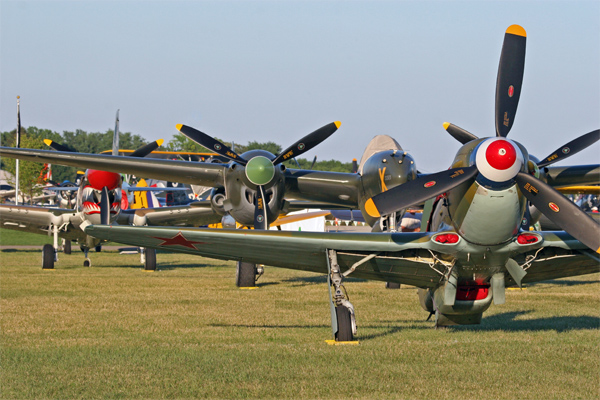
(472, 246)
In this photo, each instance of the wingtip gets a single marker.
(516, 30)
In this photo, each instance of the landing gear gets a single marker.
(343, 319)
(98, 249)
(344, 322)
(87, 262)
(66, 246)
(48, 255)
(392, 285)
(245, 274)
(149, 259)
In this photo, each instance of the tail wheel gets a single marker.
(245, 274)
(48, 257)
(344, 322)
(150, 260)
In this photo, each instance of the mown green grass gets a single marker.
(12, 237)
(114, 331)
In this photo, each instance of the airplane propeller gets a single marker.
(104, 207)
(560, 210)
(551, 203)
(260, 170)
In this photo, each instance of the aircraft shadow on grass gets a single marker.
(508, 322)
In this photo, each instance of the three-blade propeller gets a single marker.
(551, 203)
(260, 170)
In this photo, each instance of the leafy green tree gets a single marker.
(29, 172)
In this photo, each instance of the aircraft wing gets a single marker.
(197, 173)
(560, 255)
(198, 214)
(399, 258)
(573, 175)
(36, 219)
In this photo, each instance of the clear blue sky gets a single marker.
(277, 70)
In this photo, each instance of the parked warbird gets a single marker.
(473, 248)
(100, 199)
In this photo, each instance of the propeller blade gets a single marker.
(104, 207)
(510, 78)
(115, 148)
(574, 146)
(147, 149)
(56, 146)
(260, 211)
(459, 133)
(314, 161)
(418, 191)
(560, 210)
(307, 142)
(210, 143)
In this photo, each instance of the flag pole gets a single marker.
(17, 146)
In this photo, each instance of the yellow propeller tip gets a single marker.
(516, 30)
(48, 142)
(371, 209)
(160, 142)
(337, 124)
(178, 126)
(446, 125)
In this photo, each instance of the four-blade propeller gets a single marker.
(259, 169)
(551, 203)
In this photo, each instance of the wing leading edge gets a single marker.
(400, 258)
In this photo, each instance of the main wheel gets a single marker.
(150, 260)
(67, 247)
(245, 274)
(87, 262)
(98, 249)
(392, 285)
(344, 333)
(47, 257)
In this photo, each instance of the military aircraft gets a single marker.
(101, 198)
(473, 246)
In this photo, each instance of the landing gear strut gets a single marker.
(343, 320)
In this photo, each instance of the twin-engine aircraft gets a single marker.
(473, 245)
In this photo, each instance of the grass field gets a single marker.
(114, 331)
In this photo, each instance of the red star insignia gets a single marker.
(178, 240)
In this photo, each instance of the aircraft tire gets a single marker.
(150, 260)
(67, 247)
(245, 275)
(98, 249)
(48, 257)
(87, 262)
(344, 333)
(392, 285)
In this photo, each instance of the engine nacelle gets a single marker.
(383, 171)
